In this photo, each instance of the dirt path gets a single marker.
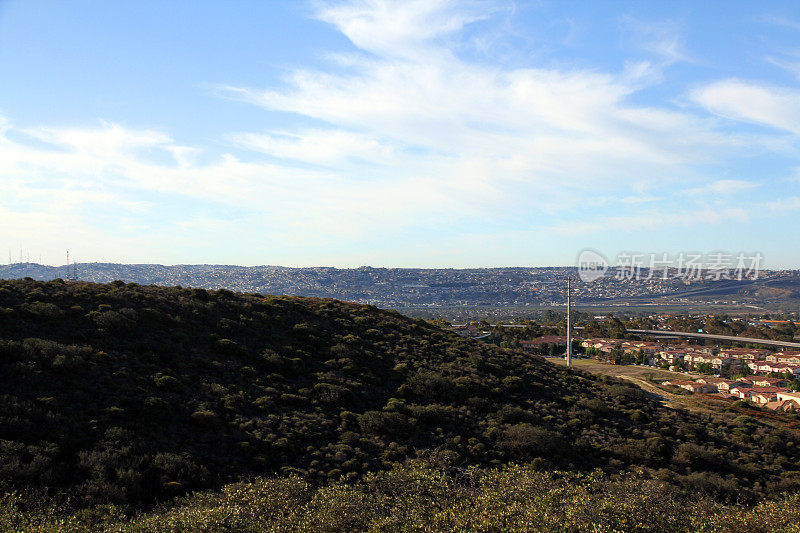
(639, 375)
(698, 403)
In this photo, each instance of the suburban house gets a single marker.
(785, 401)
(673, 355)
(766, 367)
(746, 354)
(763, 398)
(740, 391)
(747, 393)
(648, 348)
(719, 361)
(784, 368)
(692, 386)
(716, 361)
(785, 356)
(717, 382)
(726, 385)
(697, 359)
(708, 350)
(604, 345)
(532, 345)
(769, 382)
(783, 405)
(789, 395)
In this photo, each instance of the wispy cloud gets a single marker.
(776, 107)
(662, 38)
(782, 205)
(788, 62)
(406, 135)
(318, 146)
(723, 187)
(409, 29)
(779, 20)
(652, 220)
(642, 199)
(537, 125)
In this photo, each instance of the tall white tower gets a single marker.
(569, 320)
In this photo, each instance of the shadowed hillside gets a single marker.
(134, 394)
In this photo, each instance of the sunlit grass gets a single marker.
(420, 498)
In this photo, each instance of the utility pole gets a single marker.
(569, 320)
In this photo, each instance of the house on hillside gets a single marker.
(769, 382)
(672, 355)
(695, 359)
(785, 401)
(763, 398)
(784, 356)
(537, 343)
(647, 348)
(692, 386)
(765, 367)
(746, 354)
(789, 395)
(720, 361)
(590, 343)
(748, 393)
(784, 405)
(603, 345)
(726, 385)
(715, 361)
(711, 380)
(740, 391)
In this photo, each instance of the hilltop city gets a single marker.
(418, 288)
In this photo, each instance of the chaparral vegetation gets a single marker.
(149, 408)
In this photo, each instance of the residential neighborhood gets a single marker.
(755, 375)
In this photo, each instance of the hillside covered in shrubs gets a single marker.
(418, 497)
(128, 394)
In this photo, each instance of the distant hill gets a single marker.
(133, 394)
(401, 288)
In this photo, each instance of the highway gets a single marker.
(665, 333)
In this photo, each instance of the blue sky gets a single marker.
(418, 133)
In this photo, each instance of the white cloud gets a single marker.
(723, 187)
(641, 199)
(318, 146)
(406, 136)
(790, 203)
(486, 137)
(781, 21)
(401, 28)
(653, 220)
(776, 107)
(663, 38)
(83, 172)
(789, 65)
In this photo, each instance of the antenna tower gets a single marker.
(569, 320)
(71, 275)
